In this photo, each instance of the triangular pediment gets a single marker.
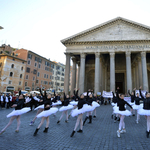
(118, 29)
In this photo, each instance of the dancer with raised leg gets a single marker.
(15, 114)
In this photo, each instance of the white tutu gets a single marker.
(57, 103)
(19, 112)
(63, 108)
(39, 107)
(47, 113)
(136, 107)
(85, 108)
(124, 113)
(132, 103)
(95, 104)
(115, 107)
(73, 103)
(144, 112)
(113, 104)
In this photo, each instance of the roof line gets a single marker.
(102, 24)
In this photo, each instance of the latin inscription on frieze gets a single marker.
(107, 47)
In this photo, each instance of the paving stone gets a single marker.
(101, 134)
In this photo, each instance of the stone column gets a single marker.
(82, 72)
(144, 71)
(97, 72)
(105, 77)
(134, 77)
(128, 70)
(112, 71)
(137, 75)
(101, 72)
(73, 81)
(67, 74)
(78, 74)
(140, 71)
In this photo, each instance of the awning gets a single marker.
(10, 88)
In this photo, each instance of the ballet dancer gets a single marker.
(145, 110)
(122, 112)
(15, 114)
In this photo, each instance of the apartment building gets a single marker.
(38, 70)
(12, 70)
(58, 76)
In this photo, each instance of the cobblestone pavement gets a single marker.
(100, 135)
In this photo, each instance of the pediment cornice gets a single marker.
(107, 42)
(70, 40)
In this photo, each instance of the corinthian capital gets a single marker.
(73, 59)
(82, 55)
(128, 54)
(143, 54)
(112, 54)
(97, 55)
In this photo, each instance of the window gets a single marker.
(20, 76)
(41, 82)
(23, 62)
(50, 77)
(57, 67)
(9, 82)
(28, 70)
(62, 84)
(52, 65)
(19, 82)
(36, 59)
(11, 74)
(38, 74)
(35, 64)
(45, 68)
(44, 75)
(30, 56)
(62, 79)
(21, 68)
(37, 81)
(56, 83)
(46, 63)
(33, 78)
(58, 72)
(34, 71)
(13, 59)
(62, 74)
(49, 83)
(27, 76)
(39, 66)
(63, 69)
(28, 62)
(45, 82)
(12, 66)
(33, 84)
(40, 60)
(26, 83)
(51, 70)
(47, 76)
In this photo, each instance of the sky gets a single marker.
(40, 25)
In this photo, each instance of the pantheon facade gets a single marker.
(114, 53)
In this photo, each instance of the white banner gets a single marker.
(127, 99)
(107, 94)
(98, 93)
